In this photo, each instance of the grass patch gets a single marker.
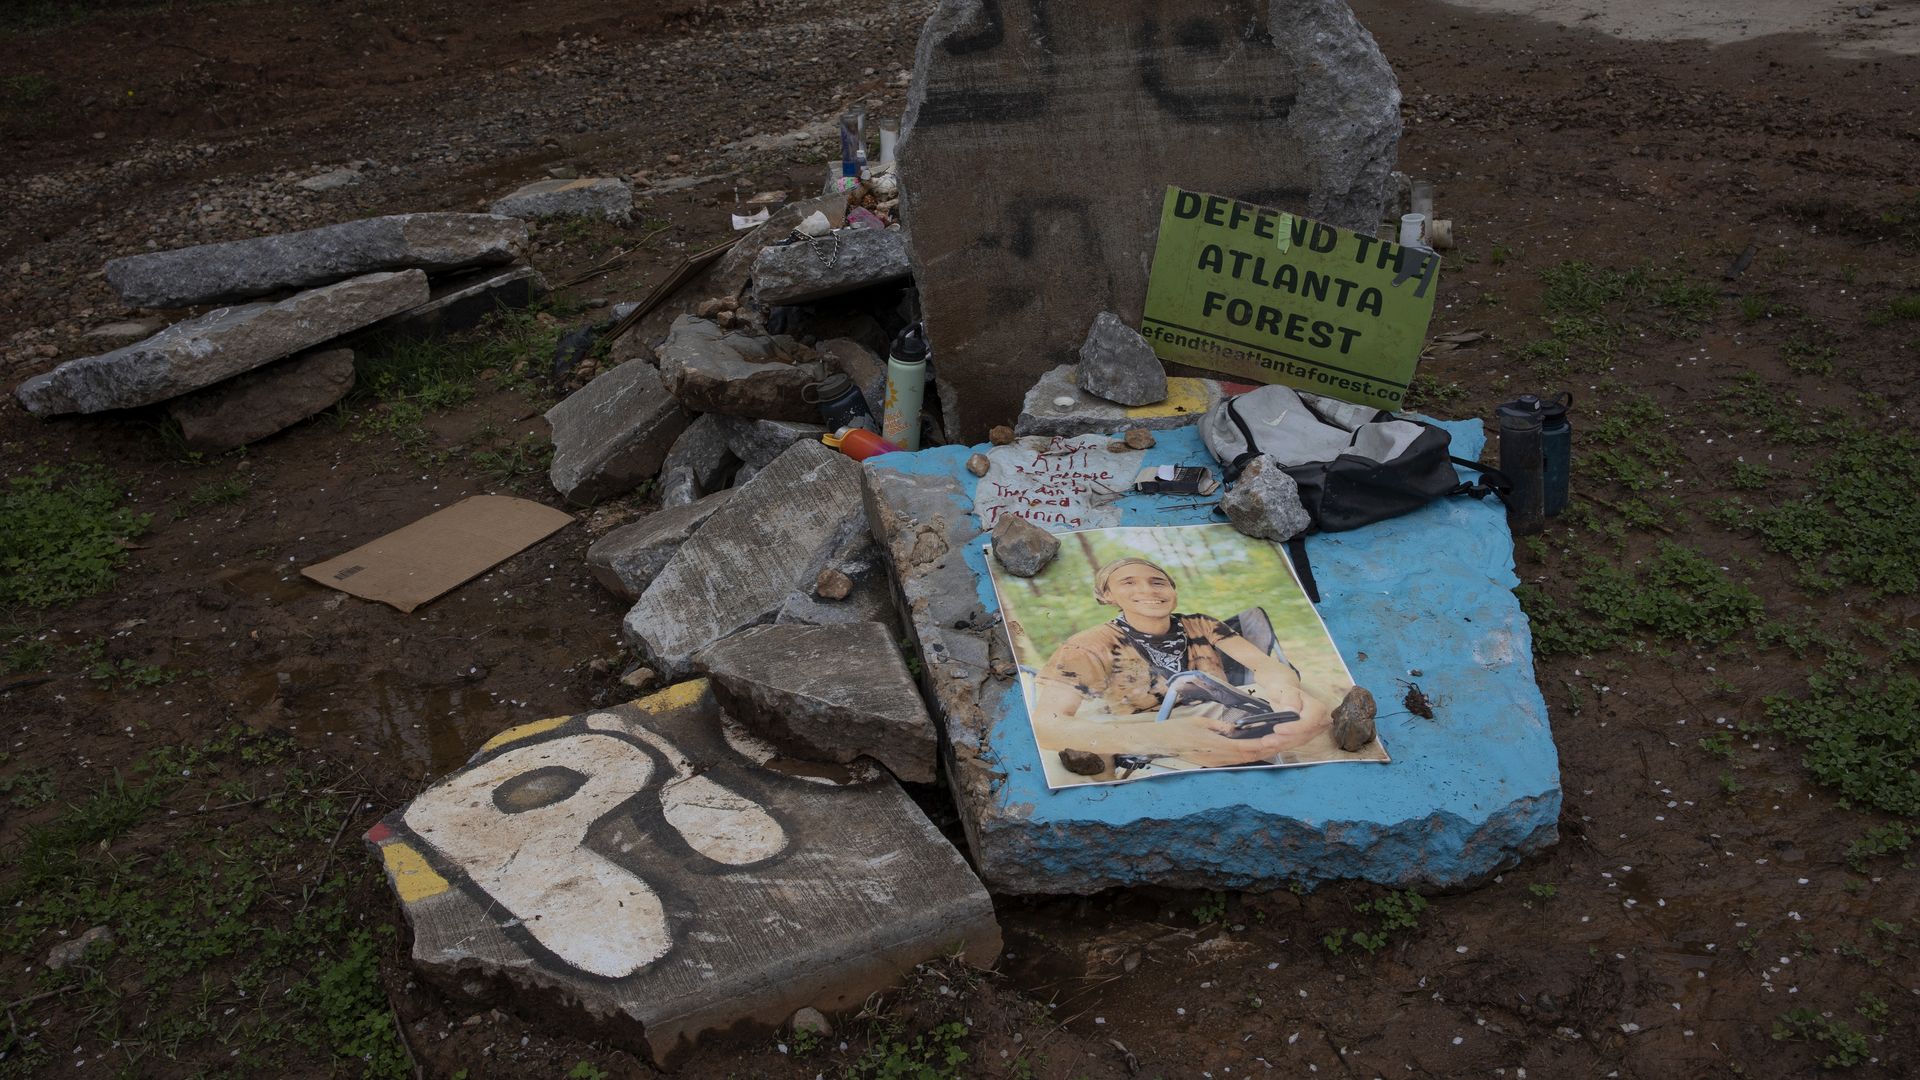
(1855, 726)
(1427, 393)
(61, 535)
(1899, 309)
(1394, 913)
(1847, 1047)
(1678, 594)
(1857, 523)
(1590, 309)
(399, 383)
(236, 949)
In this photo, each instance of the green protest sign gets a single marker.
(1271, 297)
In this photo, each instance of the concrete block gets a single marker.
(733, 374)
(613, 433)
(829, 693)
(771, 540)
(218, 345)
(264, 401)
(595, 197)
(242, 269)
(647, 874)
(1056, 405)
(840, 262)
(1118, 100)
(462, 303)
(1431, 591)
(627, 559)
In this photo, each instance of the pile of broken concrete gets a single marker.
(279, 349)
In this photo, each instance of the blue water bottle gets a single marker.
(1556, 451)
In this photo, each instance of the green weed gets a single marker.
(1805, 356)
(1394, 913)
(1848, 1047)
(61, 534)
(936, 1055)
(1899, 309)
(1855, 724)
(28, 788)
(1211, 909)
(1543, 891)
(1879, 841)
(1678, 594)
(517, 462)
(1427, 393)
(1856, 524)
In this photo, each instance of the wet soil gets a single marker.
(1665, 935)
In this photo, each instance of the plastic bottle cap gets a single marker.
(1063, 401)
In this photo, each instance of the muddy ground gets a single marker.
(1725, 620)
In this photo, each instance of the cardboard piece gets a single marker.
(415, 563)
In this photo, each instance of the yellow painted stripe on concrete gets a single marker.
(1185, 397)
(412, 878)
(514, 734)
(677, 696)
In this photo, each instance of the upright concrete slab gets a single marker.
(218, 345)
(770, 541)
(1284, 103)
(647, 875)
(240, 269)
(1431, 591)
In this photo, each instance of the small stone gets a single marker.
(978, 464)
(832, 585)
(1139, 439)
(709, 308)
(1265, 502)
(599, 665)
(68, 952)
(1353, 720)
(1022, 547)
(1116, 363)
(810, 1019)
(1083, 762)
(1000, 435)
(638, 676)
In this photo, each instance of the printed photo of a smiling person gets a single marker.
(1150, 651)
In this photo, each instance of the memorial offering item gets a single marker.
(1172, 649)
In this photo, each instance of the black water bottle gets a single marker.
(1556, 451)
(1522, 458)
(840, 403)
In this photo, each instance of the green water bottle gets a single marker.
(906, 387)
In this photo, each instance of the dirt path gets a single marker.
(1708, 886)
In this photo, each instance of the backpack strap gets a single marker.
(1232, 468)
(1302, 568)
(1492, 481)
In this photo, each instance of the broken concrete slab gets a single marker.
(627, 559)
(697, 464)
(1459, 802)
(712, 371)
(1116, 99)
(827, 693)
(856, 558)
(594, 197)
(264, 401)
(612, 433)
(1058, 406)
(648, 874)
(758, 442)
(840, 262)
(218, 345)
(1116, 363)
(771, 539)
(242, 269)
(464, 302)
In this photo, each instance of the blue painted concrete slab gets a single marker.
(1467, 793)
